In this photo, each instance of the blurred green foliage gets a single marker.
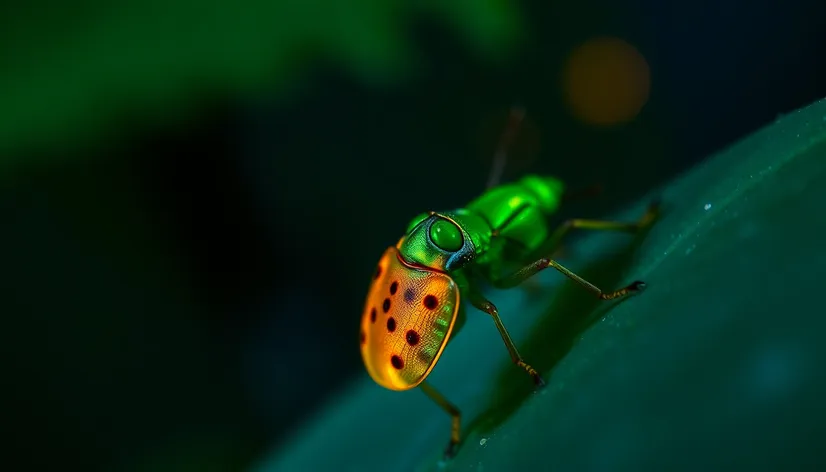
(716, 366)
(73, 71)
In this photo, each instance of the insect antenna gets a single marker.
(517, 114)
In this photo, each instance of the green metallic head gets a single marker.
(444, 241)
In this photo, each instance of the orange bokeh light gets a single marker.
(606, 81)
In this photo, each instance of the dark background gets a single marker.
(181, 293)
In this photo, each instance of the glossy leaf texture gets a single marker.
(719, 364)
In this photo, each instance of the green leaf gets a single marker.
(718, 363)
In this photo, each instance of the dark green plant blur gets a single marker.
(195, 193)
(69, 68)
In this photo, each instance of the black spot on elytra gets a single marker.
(363, 337)
(377, 274)
(409, 295)
(431, 302)
(391, 324)
(386, 305)
(397, 361)
(373, 315)
(412, 337)
(394, 287)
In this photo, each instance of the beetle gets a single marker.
(415, 303)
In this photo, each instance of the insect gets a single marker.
(415, 303)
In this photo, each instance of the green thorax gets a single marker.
(452, 240)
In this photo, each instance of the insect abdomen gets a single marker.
(546, 190)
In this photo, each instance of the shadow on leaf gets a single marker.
(572, 310)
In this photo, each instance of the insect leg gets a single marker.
(532, 269)
(450, 409)
(598, 225)
(483, 304)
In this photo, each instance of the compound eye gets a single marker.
(415, 222)
(446, 235)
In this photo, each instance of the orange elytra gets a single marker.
(407, 321)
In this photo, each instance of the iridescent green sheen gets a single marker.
(504, 227)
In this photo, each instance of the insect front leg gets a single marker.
(455, 417)
(483, 304)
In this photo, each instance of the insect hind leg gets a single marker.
(554, 242)
(532, 269)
